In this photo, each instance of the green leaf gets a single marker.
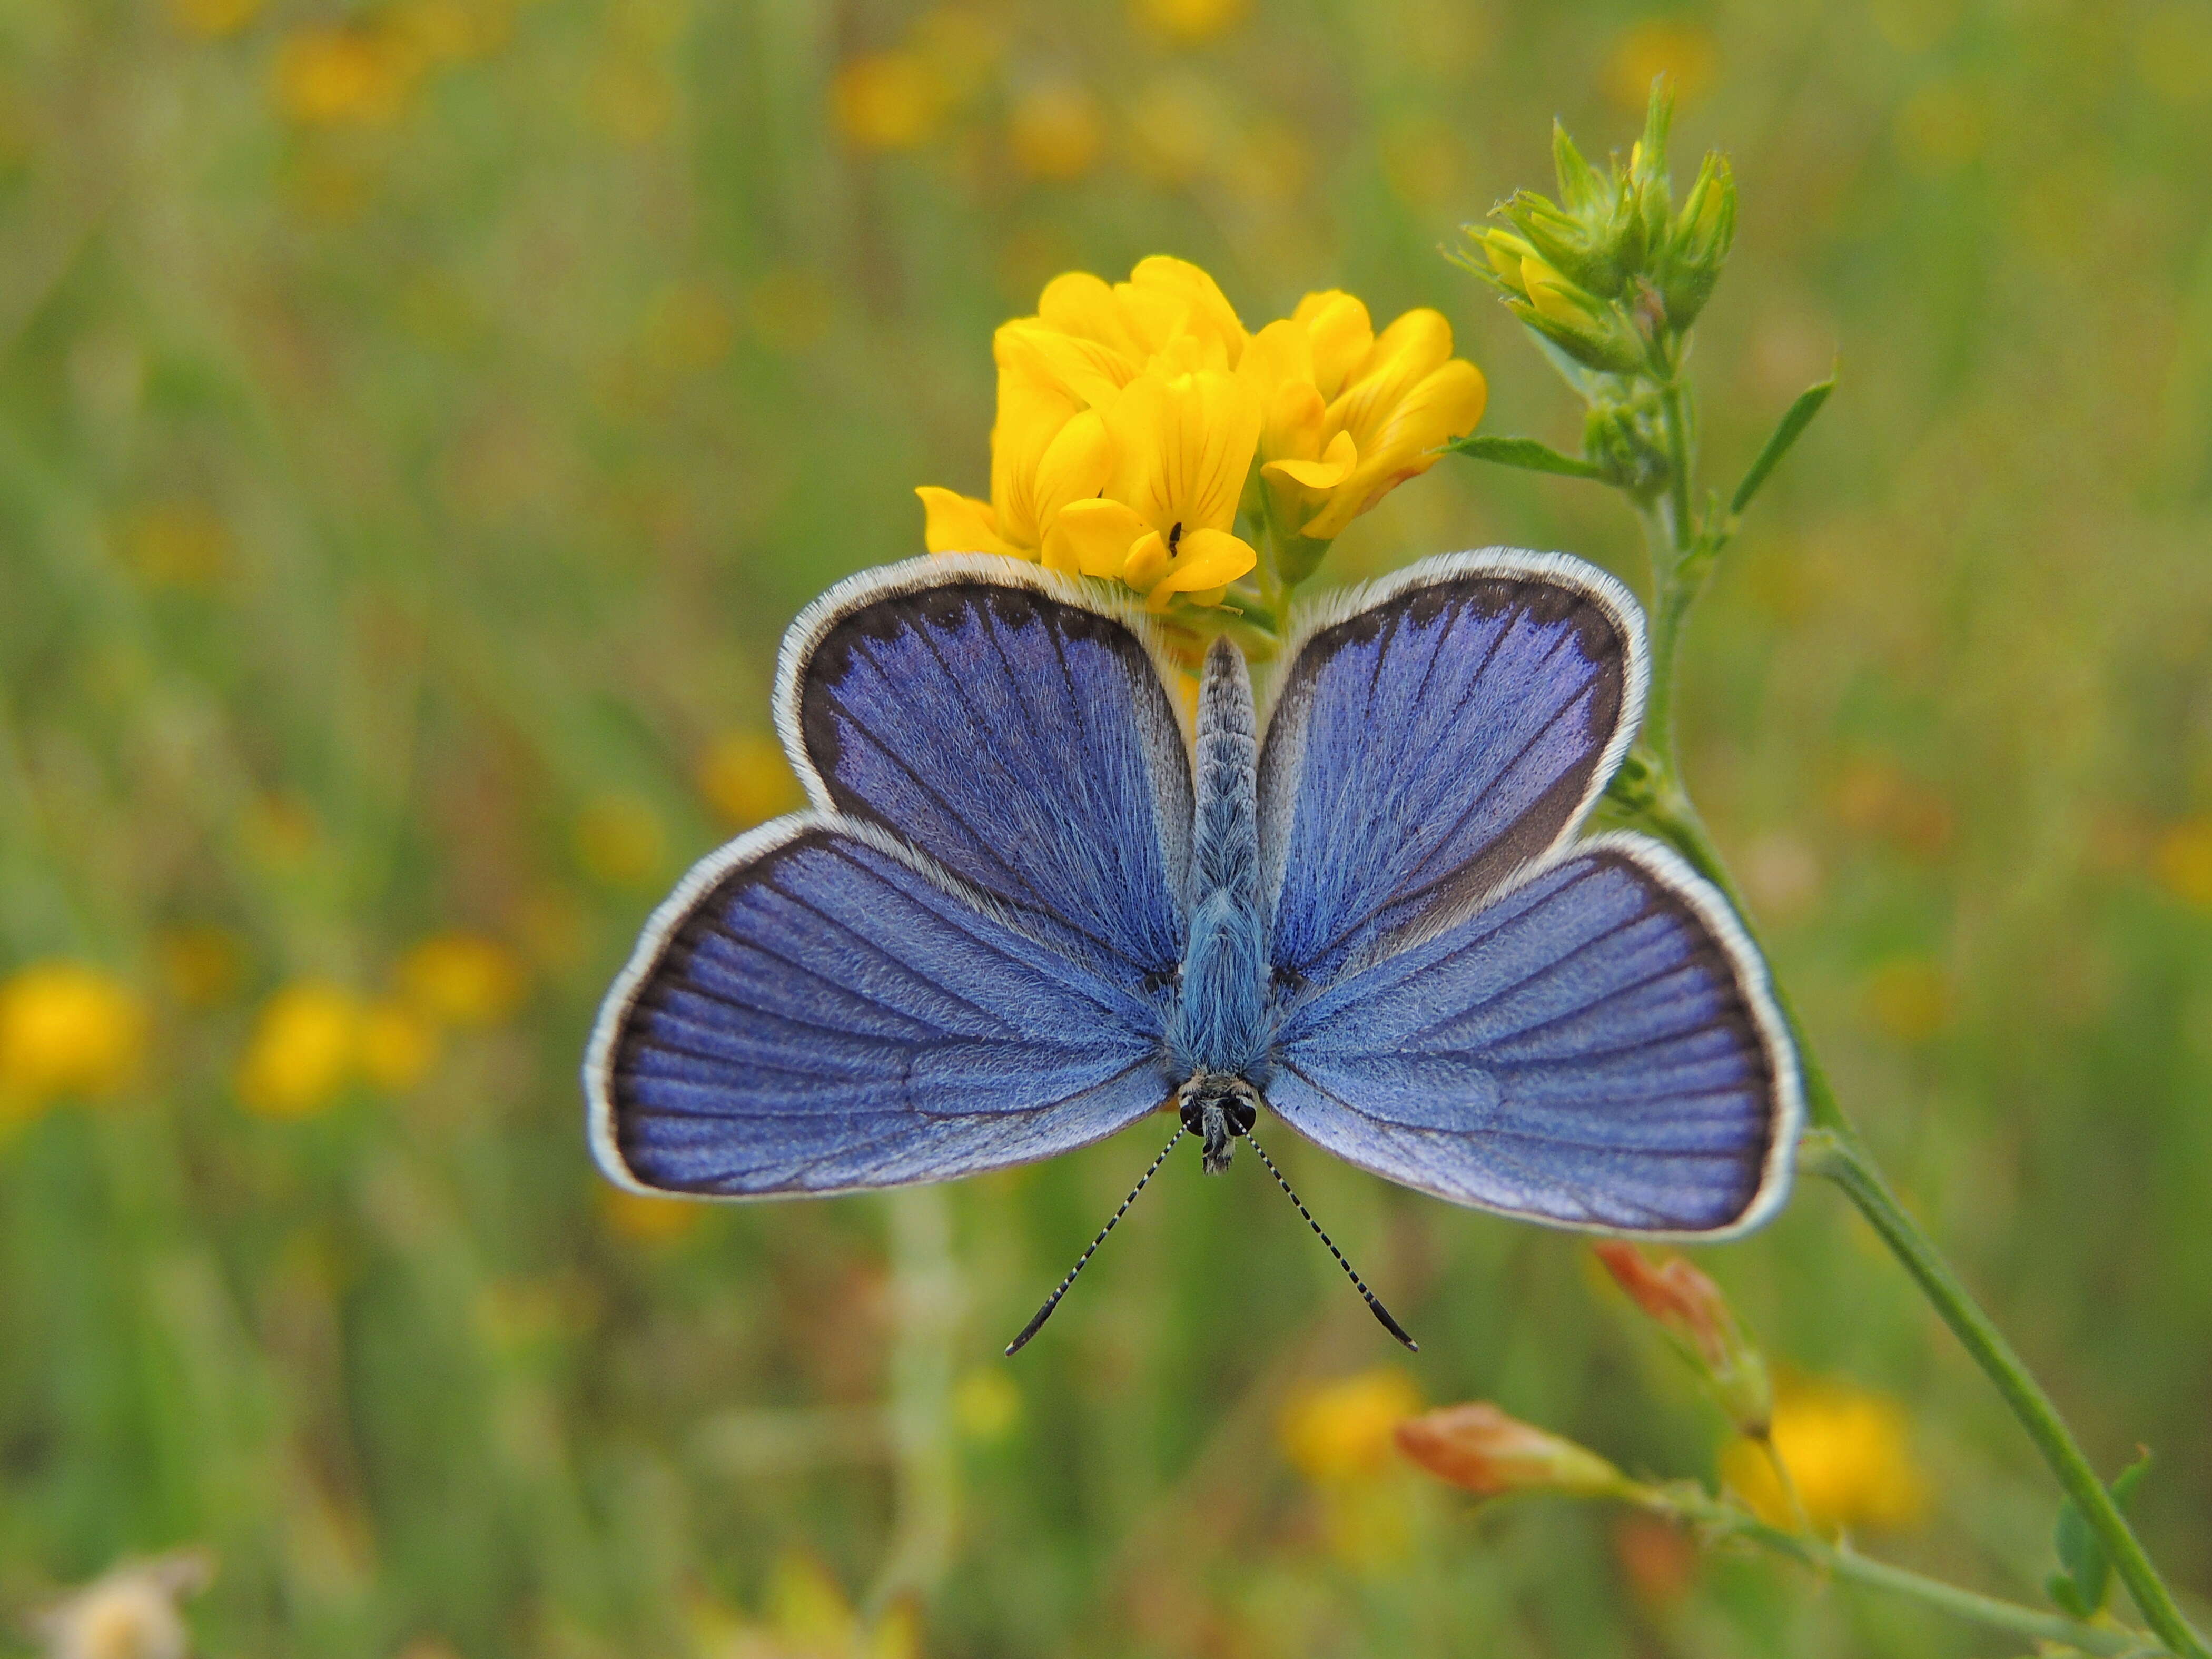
(1530, 454)
(2087, 1581)
(2066, 1597)
(1794, 422)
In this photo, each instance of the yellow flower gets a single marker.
(176, 544)
(1342, 1430)
(462, 978)
(304, 1048)
(986, 1403)
(213, 17)
(1182, 445)
(2184, 861)
(618, 840)
(202, 963)
(1055, 131)
(1119, 401)
(1846, 1449)
(396, 1046)
(746, 778)
(1192, 21)
(887, 101)
(645, 1220)
(1350, 414)
(66, 1028)
(343, 74)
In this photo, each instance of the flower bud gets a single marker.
(1480, 1448)
(1619, 274)
(1701, 1327)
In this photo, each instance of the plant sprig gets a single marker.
(1609, 280)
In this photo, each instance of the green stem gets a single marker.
(1839, 1154)
(1681, 559)
(1842, 1561)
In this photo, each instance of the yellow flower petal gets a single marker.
(1403, 354)
(1204, 560)
(1342, 336)
(1093, 537)
(1085, 306)
(1333, 467)
(1553, 295)
(1185, 444)
(1147, 561)
(1034, 405)
(1075, 465)
(960, 524)
(1089, 371)
(1164, 297)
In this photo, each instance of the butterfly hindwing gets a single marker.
(1595, 1046)
(816, 1011)
(1430, 736)
(1014, 729)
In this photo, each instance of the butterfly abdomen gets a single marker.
(1220, 1024)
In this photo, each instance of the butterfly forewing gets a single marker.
(1018, 733)
(1426, 742)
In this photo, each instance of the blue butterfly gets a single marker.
(1028, 906)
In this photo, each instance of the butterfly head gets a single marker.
(1218, 1107)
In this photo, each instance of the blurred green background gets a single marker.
(418, 422)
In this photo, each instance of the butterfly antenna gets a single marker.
(1052, 1301)
(1374, 1303)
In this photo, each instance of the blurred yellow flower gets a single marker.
(66, 1028)
(1178, 128)
(1342, 1430)
(647, 1220)
(304, 1048)
(1908, 998)
(618, 840)
(204, 964)
(2173, 51)
(1350, 414)
(987, 1403)
(1682, 52)
(177, 544)
(1055, 131)
(396, 1046)
(689, 325)
(1941, 128)
(804, 1614)
(746, 778)
(1191, 20)
(2184, 861)
(1848, 1451)
(213, 18)
(344, 75)
(462, 978)
(888, 100)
